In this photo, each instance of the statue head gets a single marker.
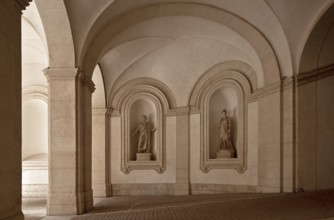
(224, 112)
(144, 118)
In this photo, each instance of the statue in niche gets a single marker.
(145, 129)
(225, 143)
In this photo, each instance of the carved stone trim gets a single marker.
(204, 188)
(60, 73)
(235, 70)
(156, 85)
(200, 102)
(286, 82)
(122, 109)
(35, 92)
(179, 111)
(126, 189)
(99, 112)
(157, 165)
(315, 75)
(86, 81)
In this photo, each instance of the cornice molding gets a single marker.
(178, 111)
(86, 81)
(99, 111)
(285, 83)
(60, 73)
(315, 75)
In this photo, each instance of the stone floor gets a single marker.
(307, 205)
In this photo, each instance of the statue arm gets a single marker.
(135, 132)
(229, 127)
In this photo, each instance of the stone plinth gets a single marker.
(224, 154)
(144, 156)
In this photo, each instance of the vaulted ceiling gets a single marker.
(176, 42)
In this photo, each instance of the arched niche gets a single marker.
(142, 106)
(225, 97)
(130, 104)
(220, 89)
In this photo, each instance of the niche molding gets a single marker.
(218, 80)
(125, 106)
(35, 92)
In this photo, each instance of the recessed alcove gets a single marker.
(140, 107)
(130, 106)
(222, 90)
(223, 98)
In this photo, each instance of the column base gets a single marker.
(65, 203)
(100, 190)
(16, 216)
(181, 189)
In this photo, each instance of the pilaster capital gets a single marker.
(22, 4)
(99, 111)
(60, 73)
(86, 81)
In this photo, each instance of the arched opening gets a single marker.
(35, 135)
(34, 149)
(316, 106)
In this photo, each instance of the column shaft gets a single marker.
(10, 108)
(70, 190)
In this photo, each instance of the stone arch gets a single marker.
(102, 43)
(318, 51)
(240, 78)
(58, 33)
(235, 70)
(35, 92)
(154, 86)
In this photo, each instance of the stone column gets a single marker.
(99, 152)
(69, 142)
(182, 152)
(10, 108)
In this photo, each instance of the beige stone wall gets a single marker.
(315, 134)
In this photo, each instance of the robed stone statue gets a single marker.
(225, 143)
(144, 129)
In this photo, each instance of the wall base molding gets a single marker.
(204, 188)
(142, 189)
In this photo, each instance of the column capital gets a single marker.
(99, 111)
(86, 81)
(22, 4)
(60, 73)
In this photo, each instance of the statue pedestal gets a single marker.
(143, 156)
(224, 154)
